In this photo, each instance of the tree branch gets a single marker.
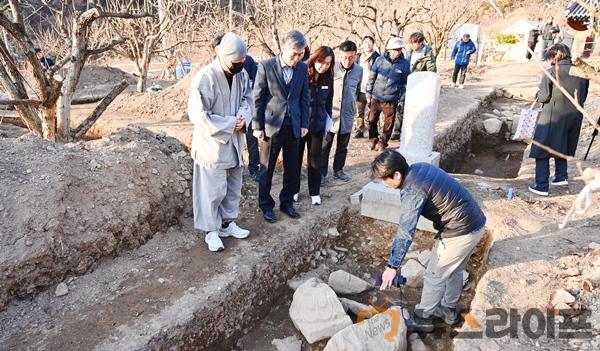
(100, 108)
(20, 102)
(125, 15)
(176, 44)
(585, 70)
(50, 72)
(106, 47)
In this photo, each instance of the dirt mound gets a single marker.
(94, 83)
(167, 104)
(62, 207)
(93, 75)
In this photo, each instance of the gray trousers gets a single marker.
(443, 279)
(216, 196)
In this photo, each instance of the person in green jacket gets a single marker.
(420, 55)
(421, 59)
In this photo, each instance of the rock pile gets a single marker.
(318, 313)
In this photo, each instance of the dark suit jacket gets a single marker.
(273, 98)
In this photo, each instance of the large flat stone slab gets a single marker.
(381, 202)
(384, 332)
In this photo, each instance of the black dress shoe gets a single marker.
(290, 212)
(269, 216)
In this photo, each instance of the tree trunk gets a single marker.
(142, 79)
(274, 31)
(48, 118)
(78, 57)
(162, 18)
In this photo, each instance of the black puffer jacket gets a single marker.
(449, 205)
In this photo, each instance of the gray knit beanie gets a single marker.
(232, 48)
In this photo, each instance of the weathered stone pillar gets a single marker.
(420, 116)
(416, 145)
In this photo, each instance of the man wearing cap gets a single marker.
(220, 107)
(386, 85)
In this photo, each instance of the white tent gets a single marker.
(521, 30)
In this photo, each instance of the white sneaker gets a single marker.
(559, 182)
(462, 86)
(316, 200)
(214, 242)
(296, 197)
(234, 231)
(454, 85)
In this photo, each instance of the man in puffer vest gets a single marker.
(428, 191)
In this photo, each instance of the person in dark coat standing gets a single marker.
(532, 41)
(559, 124)
(548, 34)
(320, 80)
(281, 113)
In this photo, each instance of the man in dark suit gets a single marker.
(282, 103)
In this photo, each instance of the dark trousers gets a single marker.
(252, 145)
(389, 113)
(463, 73)
(314, 141)
(542, 171)
(531, 46)
(361, 108)
(285, 141)
(341, 151)
(398, 122)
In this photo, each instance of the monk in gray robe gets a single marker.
(220, 107)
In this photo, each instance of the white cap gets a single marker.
(394, 43)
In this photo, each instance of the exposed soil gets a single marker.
(65, 206)
(495, 156)
(167, 104)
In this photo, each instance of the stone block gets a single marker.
(385, 331)
(433, 158)
(316, 311)
(343, 282)
(381, 202)
(356, 198)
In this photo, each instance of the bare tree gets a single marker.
(317, 19)
(383, 19)
(158, 34)
(443, 16)
(49, 114)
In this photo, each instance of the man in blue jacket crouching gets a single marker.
(428, 191)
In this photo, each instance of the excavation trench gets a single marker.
(364, 244)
